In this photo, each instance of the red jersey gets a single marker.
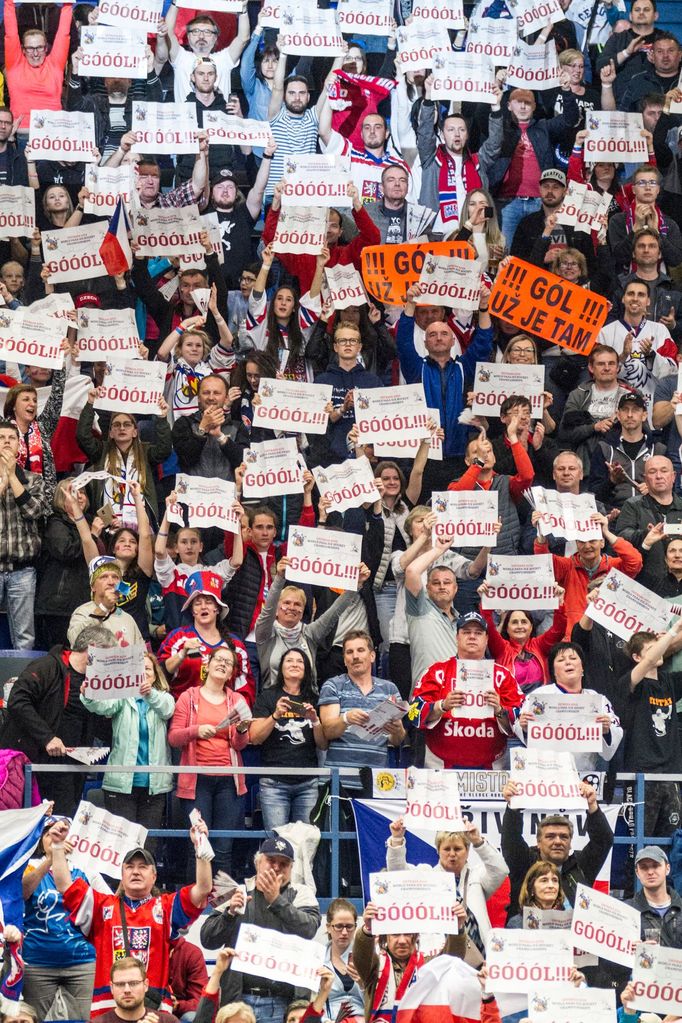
(462, 742)
(153, 925)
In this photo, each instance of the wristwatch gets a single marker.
(201, 431)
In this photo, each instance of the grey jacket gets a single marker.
(427, 146)
(577, 425)
(418, 220)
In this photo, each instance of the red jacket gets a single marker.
(505, 651)
(303, 265)
(570, 573)
(187, 976)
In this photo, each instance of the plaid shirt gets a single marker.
(183, 195)
(19, 521)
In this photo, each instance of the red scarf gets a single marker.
(386, 996)
(31, 455)
(447, 182)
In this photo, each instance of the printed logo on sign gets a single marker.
(386, 781)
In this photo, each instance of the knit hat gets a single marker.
(101, 564)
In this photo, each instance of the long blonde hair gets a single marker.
(113, 462)
(493, 234)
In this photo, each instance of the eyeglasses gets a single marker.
(126, 983)
(223, 660)
(347, 340)
(202, 32)
(645, 182)
(568, 263)
(34, 49)
(343, 927)
(523, 351)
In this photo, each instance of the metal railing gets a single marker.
(333, 835)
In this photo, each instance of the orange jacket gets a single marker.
(570, 573)
(35, 88)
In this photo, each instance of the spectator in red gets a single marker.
(188, 977)
(34, 69)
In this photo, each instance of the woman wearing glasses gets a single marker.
(342, 921)
(210, 727)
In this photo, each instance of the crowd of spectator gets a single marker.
(243, 666)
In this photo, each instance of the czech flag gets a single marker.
(115, 249)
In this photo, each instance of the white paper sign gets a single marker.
(138, 15)
(107, 52)
(88, 754)
(72, 253)
(306, 185)
(447, 13)
(418, 42)
(463, 76)
(474, 680)
(165, 128)
(223, 6)
(262, 952)
(451, 282)
(369, 17)
(598, 1005)
(657, 979)
(520, 582)
(135, 387)
(383, 714)
(534, 67)
(62, 135)
(292, 406)
(316, 554)
(100, 840)
(310, 30)
(518, 960)
(167, 232)
(548, 781)
(381, 413)
(564, 721)
(532, 15)
(301, 229)
(17, 211)
(31, 339)
(345, 286)
(113, 673)
(84, 478)
(105, 186)
(624, 606)
(349, 484)
(414, 900)
(108, 335)
(494, 382)
(226, 130)
(494, 38)
(399, 448)
(433, 800)
(468, 517)
(566, 515)
(615, 136)
(560, 919)
(272, 468)
(605, 926)
(583, 208)
(208, 500)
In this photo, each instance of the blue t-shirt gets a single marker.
(50, 939)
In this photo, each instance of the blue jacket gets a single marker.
(342, 381)
(443, 388)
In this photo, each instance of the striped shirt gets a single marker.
(350, 750)
(293, 133)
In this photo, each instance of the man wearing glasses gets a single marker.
(202, 37)
(35, 71)
(129, 985)
(644, 212)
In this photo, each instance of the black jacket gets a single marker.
(670, 923)
(282, 916)
(36, 706)
(633, 525)
(62, 572)
(581, 867)
(189, 444)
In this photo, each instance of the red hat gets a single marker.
(87, 298)
(206, 584)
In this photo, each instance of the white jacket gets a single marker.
(478, 881)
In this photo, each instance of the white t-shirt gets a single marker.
(184, 64)
(603, 404)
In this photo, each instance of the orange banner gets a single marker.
(538, 302)
(389, 270)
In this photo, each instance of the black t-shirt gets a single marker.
(652, 738)
(134, 603)
(291, 742)
(631, 448)
(235, 228)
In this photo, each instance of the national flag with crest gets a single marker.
(115, 249)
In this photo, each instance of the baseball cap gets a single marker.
(651, 852)
(87, 298)
(142, 853)
(553, 174)
(472, 618)
(632, 397)
(277, 846)
(224, 174)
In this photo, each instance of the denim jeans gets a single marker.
(217, 800)
(270, 1009)
(513, 212)
(17, 592)
(282, 803)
